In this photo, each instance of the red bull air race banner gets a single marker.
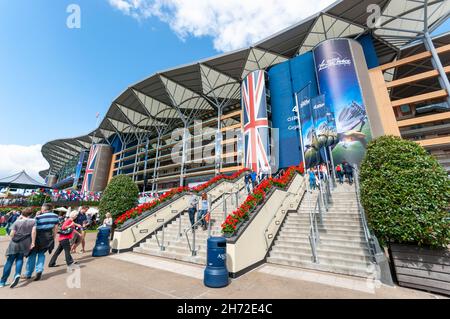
(256, 122)
(338, 80)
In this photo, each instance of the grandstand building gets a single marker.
(402, 73)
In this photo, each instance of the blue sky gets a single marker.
(55, 79)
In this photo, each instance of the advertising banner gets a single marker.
(310, 144)
(284, 115)
(79, 169)
(339, 82)
(256, 122)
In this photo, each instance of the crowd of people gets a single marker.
(34, 235)
(253, 179)
(344, 172)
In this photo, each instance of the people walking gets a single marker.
(253, 177)
(43, 235)
(68, 229)
(82, 223)
(11, 220)
(247, 181)
(2, 220)
(204, 207)
(193, 203)
(348, 171)
(19, 247)
(340, 173)
(312, 180)
(265, 172)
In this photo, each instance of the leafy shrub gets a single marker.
(405, 193)
(120, 195)
(38, 199)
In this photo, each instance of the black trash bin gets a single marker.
(216, 272)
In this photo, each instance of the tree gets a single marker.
(120, 195)
(405, 193)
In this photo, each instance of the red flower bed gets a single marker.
(259, 195)
(137, 211)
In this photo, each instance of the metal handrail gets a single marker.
(325, 192)
(163, 226)
(193, 227)
(276, 212)
(314, 236)
(367, 234)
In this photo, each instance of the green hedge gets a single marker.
(405, 193)
(120, 195)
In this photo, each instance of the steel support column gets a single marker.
(437, 64)
(155, 166)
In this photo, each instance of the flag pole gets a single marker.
(297, 109)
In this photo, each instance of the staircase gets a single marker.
(342, 248)
(176, 246)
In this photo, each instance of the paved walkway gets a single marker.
(138, 276)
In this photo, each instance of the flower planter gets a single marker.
(228, 235)
(421, 267)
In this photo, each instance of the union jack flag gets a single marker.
(256, 123)
(90, 167)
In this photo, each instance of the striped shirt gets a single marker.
(46, 221)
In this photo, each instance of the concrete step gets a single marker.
(345, 270)
(183, 250)
(336, 244)
(325, 226)
(330, 223)
(175, 235)
(201, 260)
(357, 256)
(359, 262)
(335, 231)
(323, 237)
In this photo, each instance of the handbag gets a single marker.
(66, 231)
(207, 217)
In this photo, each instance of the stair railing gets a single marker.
(314, 236)
(325, 193)
(370, 240)
(274, 217)
(192, 229)
(164, 223)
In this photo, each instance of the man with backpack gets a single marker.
(43, 235)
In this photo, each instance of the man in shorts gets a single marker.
(77, 239)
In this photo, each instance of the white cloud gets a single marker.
(15, 158)
(233, 24)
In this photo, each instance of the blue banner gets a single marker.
(309, 140)
(79, 169)
(339, 83)
(284, 115)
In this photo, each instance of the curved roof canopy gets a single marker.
(171, 98)
(22, 181)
